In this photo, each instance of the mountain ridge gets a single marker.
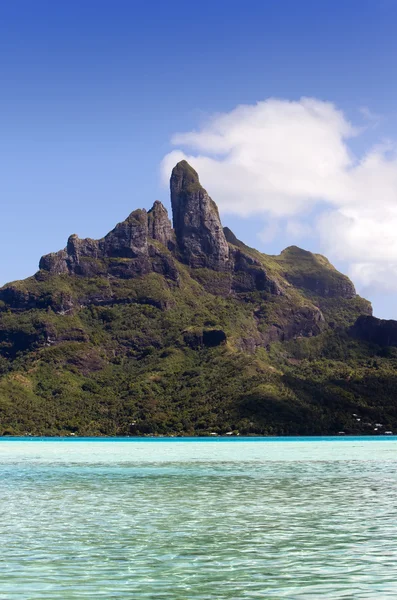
(182, 328)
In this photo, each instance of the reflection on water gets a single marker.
(198, 520)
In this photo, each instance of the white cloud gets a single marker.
(270, 232)
(277, 156)
(280, 158)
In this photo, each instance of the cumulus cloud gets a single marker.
(279, 159)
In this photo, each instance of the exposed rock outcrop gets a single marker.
(126, 251)
(160, 227)
(250, 275)
(305, 321)
(197, 225)
(289, 323)
(151, 330)
(210, 338)
(56, 262)
(224, 266)
(129, 239)
(197, 240)
(377, 331)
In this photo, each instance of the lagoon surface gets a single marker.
(198, 519)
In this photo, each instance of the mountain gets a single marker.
(183, 329)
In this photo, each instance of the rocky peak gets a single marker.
(125, 252)
(146, 242)
(159, 226)
(77, 247)
(129, 238)
(197, 225)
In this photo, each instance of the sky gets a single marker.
(288, 110)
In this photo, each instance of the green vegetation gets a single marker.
(111, 356)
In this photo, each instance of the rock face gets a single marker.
(203, 243)
(224, 266)
(376, 331)
(197, 225)
(160, 227)
(197, 240)
(305, 321)
(209, 338)
(126, 251)
(162, 330)
(250, 275)
(128, 239)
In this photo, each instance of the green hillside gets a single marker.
(185, 330)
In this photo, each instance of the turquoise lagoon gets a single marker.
(201, 519)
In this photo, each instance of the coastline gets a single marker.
(201, 439)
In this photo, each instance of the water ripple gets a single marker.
(198, 521)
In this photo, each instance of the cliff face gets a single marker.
(159, 226)
(376, 331)
(292, 289)
(197, 240)
(181, 328)
(131, 241)
(202, 242)
(196, 220)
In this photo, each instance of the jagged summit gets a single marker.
(184, 328)
(185, 176)
(133, 239)
(159, 225)
(146, 242)
(197, 225)
(197, 239)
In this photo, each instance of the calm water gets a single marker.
(201, 520)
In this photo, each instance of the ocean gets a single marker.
(203, 519)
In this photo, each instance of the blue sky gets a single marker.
(93, 93)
